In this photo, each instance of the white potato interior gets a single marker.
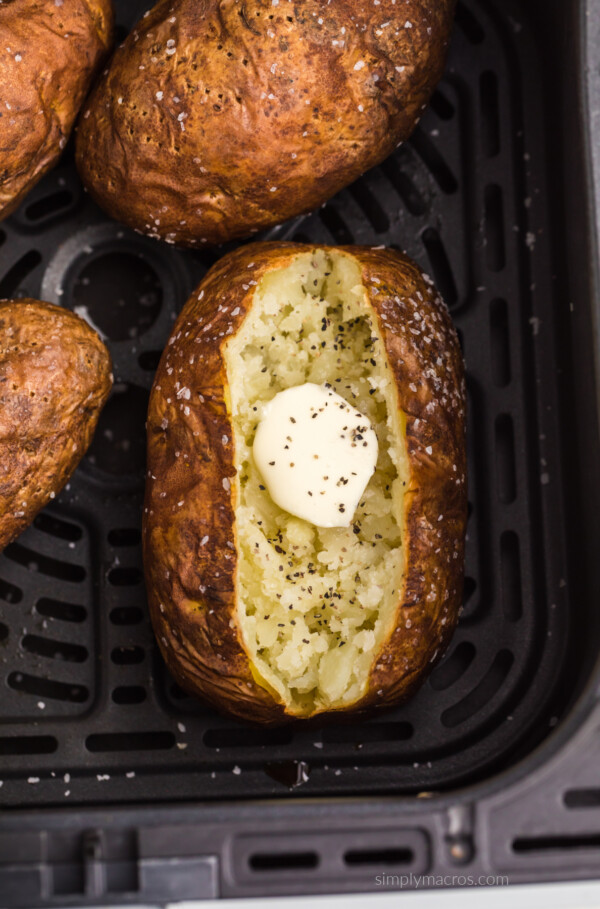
(314, 604)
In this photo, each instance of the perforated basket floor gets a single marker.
(88, 713)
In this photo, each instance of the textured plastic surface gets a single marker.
(88, 715)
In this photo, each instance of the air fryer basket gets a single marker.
(491, 201)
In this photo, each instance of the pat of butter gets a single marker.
(316, 453)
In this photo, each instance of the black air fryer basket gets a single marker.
(115, 786)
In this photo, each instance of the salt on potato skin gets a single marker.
(55, 377)
(192, 551)
(216, 119)
(49, 53)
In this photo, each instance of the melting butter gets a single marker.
(316, 453)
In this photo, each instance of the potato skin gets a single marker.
(44, 79)
(218, 118)
(55, 377)
(191, 586)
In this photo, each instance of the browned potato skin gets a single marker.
(260, 118)
(55, 377)
(44, 79)
(198, 634)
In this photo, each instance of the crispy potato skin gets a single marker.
(191, 586)
(44, 78)
(55, 377)
(218, 118)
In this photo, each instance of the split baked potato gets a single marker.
(49, 52)
(262, 613)
(55, 377)
(219, 118)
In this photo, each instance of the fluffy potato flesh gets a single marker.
(314, 604)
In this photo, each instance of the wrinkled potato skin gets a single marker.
(260, 118)
(198, 633)
(41, 93)
(55, 377)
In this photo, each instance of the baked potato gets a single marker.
(55, 377)
(262, 613)
(50, 50)
(219, 118)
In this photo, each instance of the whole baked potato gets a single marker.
(55, 377)
(266, 614)
(49, 51)
(217, 118)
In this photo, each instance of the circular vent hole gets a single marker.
(119, 444)
(120, 293)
